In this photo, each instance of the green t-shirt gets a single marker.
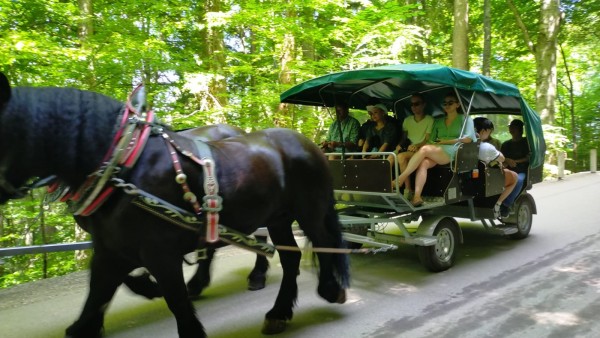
(350, 127)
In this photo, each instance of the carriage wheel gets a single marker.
(524, 220)
(441, 256)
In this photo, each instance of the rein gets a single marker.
(135, 127)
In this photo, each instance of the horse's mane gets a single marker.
(65, 128)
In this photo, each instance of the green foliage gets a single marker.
(27, 222)
(227, 61)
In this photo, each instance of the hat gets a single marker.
(380, 106)
(516, 123)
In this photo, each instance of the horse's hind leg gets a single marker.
(201, 279)
(258, 276)
(106, 275)
(282, 311)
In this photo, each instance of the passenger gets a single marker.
(490, 139)
(362, 132)
(416, 132)
(382, 134)
(516, 151)
(346, 127)
(489, 154)
(447, 133)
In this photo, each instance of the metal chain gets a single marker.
(128, 188)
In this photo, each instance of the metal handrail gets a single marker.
(37, 249)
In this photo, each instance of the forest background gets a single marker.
(227, 61)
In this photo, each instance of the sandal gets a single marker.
(417, 204)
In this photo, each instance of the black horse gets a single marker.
(143, 284)
(271, 178)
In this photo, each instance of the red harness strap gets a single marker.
(212, 200)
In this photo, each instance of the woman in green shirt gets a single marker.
(446, 135)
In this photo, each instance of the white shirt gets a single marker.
(487, 152)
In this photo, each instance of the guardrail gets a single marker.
(37, 249)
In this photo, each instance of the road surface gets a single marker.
(547, 285)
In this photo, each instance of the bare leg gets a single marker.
(430, 151)
(421, 179)
(403, 159)
(510, 181)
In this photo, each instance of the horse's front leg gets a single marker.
(201, 279)
(168, 271)
(258, 276)
(107, 273)
(282, 311)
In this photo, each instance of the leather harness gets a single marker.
(136, 125)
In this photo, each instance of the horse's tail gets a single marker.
(341, 262)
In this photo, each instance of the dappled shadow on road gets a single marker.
(305, 320)
(480, 244)
(387, 269)
(145, 312)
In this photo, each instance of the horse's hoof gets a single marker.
(256, 283)
(273, 326)
(341, 297)
(195, 289)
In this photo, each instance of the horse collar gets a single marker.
(135, 126)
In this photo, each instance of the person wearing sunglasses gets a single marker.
(447, 133)
(416, 131)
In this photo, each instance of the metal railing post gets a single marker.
(560, 158)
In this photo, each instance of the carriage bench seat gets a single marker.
(451, 180)
(372, 175)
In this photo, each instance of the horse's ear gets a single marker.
(4, 89)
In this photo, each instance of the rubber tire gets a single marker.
(524, 218)
(441, 256)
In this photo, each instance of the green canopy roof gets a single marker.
(393, 83)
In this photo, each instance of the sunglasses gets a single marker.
(447, 103)
(415, 104)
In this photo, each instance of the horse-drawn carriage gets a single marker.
(134, 182)
(466, 188)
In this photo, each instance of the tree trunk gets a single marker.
(487, 38)
(570, 88)
(285, 77)
(546, 59)
(44, 239)
(460, 37)
(216, 53)
(287, 55)
(415, 51)
(86, 30)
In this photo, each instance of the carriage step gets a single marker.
(504, 229)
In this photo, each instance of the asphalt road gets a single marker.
(547, 285)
